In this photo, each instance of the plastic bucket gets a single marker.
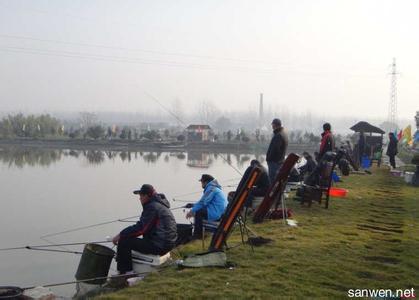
(366, 162)
(95, 263)
(408, 177)
(335, 177)
(10, 292)
(396, 173)
(337, 192)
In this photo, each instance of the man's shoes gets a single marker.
(119, 280)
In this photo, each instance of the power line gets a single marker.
(124, 59)
(71, 54)
(142, 50)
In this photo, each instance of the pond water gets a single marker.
(47, 191)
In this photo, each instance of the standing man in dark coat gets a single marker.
(277, 148)
(157, 225)
(392, 149)
(328, 142)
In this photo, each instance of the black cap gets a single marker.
(276, 122)
(206, 178)
(255, 162)
(327, 126)
(146, 189)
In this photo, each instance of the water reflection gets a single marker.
(20, 157)
(13, 156)
(94, 157)
(198, 159)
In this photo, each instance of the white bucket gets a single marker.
(147, 263)
(408, 176)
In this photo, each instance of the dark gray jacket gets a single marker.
(392, 147)
(278, 146)
(156, 223)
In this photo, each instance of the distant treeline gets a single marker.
(88, 127)
(30, 126)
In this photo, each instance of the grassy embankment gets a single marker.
(368, 240)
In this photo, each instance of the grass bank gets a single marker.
(369, 240)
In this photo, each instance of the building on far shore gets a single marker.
(198, 133)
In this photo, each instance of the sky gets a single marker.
(328, 57)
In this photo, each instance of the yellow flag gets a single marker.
(407, 135)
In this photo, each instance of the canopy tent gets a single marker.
(363, 126)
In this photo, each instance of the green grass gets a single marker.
(368, 240)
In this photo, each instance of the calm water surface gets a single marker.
(49, 191)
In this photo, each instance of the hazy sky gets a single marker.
(329, 57)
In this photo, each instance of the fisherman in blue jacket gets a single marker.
(157, 226)
(210, 207)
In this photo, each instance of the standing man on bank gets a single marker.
(327, 143)
(392, 149)
(276, 152)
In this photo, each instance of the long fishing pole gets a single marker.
(197, 192)
(55, 250)
(96, 225)
(180, 120)
(54, 245)
(82, 280)
(87, 227)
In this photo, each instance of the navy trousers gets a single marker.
(123, 254)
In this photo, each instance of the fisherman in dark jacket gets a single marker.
(260, 187)
(327, 143)
(276, 152)
(392, 149)
(157, 225)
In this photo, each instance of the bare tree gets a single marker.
(177, 109)
(87, 119)
(208, 112)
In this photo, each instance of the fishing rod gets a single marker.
(53, 245)
(189, 205)
(98, 224)
(198, 192)
(181, 121)
(99, 278)
(82, 280)
(87, 227)
(55, 250)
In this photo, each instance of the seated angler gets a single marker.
(309, 167)
(157, 225)
(261, 185)
(210, 207)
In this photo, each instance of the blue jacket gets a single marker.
(213, 200)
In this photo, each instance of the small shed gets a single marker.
(198, 133)
(366, 127)
(373, 139)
